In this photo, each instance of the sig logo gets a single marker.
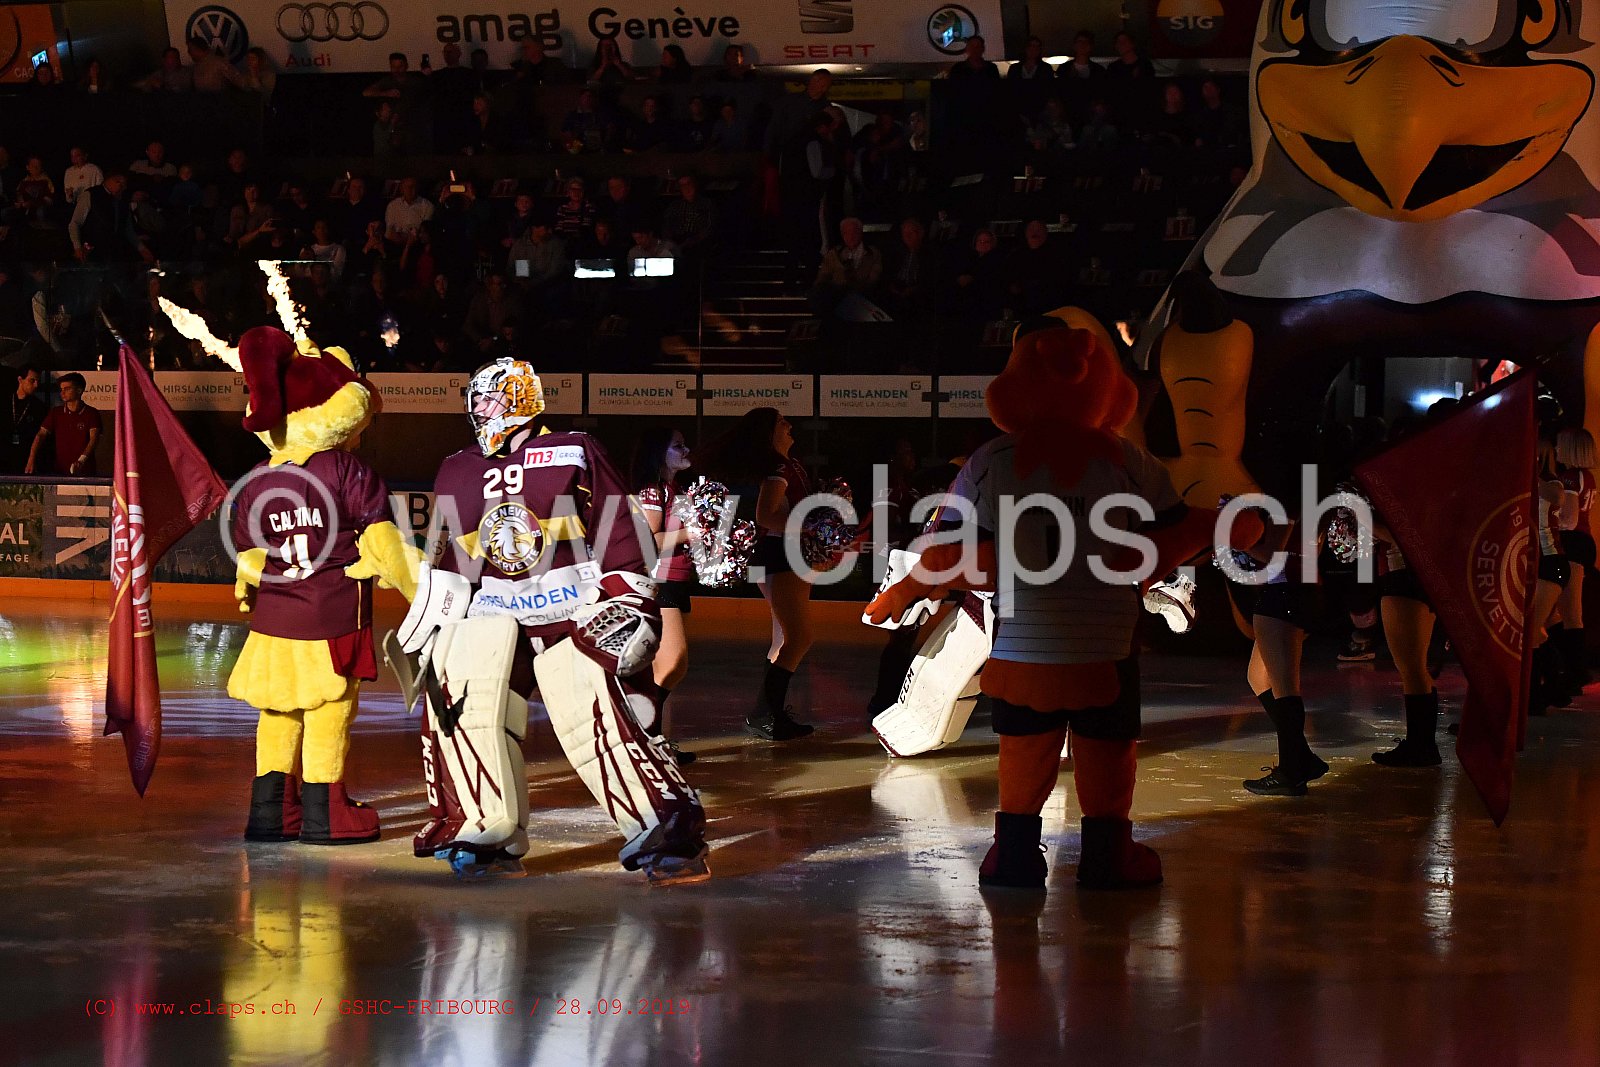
(1190, 23)
(221, 29)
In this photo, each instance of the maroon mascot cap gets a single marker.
(282, 381)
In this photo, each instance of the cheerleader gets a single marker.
(1408, 622)
(659, 456)
(1575, 459)
(1558, 511)
(1278, 613)
(752, 459)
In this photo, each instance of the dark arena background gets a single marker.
(1354, 235)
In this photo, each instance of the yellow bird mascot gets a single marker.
(312, 527)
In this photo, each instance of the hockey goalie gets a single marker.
(541, 583)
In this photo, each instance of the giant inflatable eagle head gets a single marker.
(1423, 183)
(1456, 136)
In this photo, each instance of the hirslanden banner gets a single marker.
(184, 390)
(359, 35)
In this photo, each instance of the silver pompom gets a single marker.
(825, 536)
(1343, 531)
(720, 546)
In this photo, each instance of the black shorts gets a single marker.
(770, 556)
(1116, 721)
(1579, 549)
(1402, 583)
(1288, 601)
(1555, 570)
(675, 594)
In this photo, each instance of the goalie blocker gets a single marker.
(931, 713)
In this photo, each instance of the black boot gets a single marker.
(1418, 748)
(1575, 656)
(1294, 752)
(1562, 679)
(770, 718)
(1547, 689)
(1016, 859)
(275, 812)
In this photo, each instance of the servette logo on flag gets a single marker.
(1458, 498)
(1498, 581)
(162, 488)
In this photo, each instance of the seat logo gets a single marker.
(364, 21)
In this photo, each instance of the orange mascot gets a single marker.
(1054, 510)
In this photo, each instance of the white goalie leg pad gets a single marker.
(931, 713)
(479, 754)
(635, 781)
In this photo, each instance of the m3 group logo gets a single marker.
(220, 28)
(950, 27)
(320, 23)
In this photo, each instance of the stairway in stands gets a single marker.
(751, 316)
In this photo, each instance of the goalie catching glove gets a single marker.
(618, 625)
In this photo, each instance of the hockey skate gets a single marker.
(469, 866)
(677, 870)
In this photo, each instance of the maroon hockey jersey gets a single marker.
(308, 519)
(533, 530)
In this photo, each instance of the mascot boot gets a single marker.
(1016, 859)
(312, 529)
(275, 812)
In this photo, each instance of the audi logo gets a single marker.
(364, 21)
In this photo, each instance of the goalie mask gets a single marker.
(503, 397)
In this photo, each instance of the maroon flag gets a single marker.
(1459, 499)
(163, 488)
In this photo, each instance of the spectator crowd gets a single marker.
(1002, 195)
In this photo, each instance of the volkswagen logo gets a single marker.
(364, 21)
(950, 27)
(221, 29)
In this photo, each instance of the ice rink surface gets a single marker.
(1382, 919)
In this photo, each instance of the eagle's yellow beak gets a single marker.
(1408, 133)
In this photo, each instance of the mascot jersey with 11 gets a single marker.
(312, 528)
(547, 565)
